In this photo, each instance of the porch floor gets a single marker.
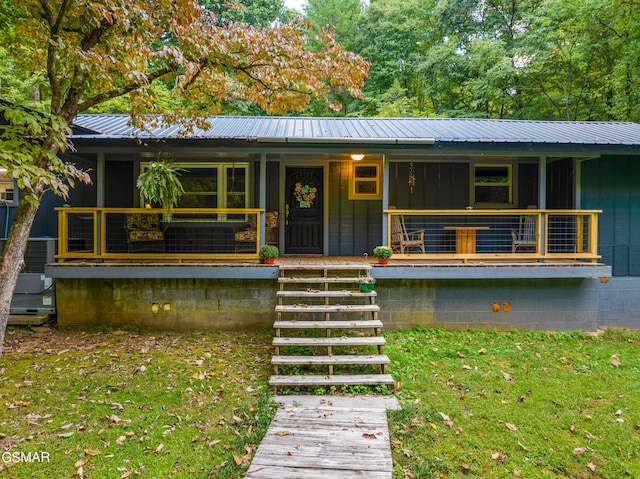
(398, 268)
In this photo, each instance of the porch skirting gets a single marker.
(248, 304)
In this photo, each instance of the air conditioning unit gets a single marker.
(34, 292)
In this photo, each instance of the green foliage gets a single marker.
(159, 183)
(269, 251)
(524, 59)
(29, 140)
(382, 252)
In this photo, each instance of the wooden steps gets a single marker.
(335, 308)
(326, 360)
(325, 324)
(333, 380)
(341, 341)
(316, 293)
(304, 324)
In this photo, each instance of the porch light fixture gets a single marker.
(357, 156)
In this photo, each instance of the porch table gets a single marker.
(465, 237)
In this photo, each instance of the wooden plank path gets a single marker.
(319, 437)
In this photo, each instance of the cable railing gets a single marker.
(237, 233)
(155, 233)
(494, 234)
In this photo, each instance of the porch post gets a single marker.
(262, 197)
(542, 200)
(385, 198)
(100, 180)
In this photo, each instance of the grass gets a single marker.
(138, 405)
(196, 405)
(491, 405)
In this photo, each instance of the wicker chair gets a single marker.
(250, 235)
(144, 232)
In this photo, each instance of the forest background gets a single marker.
(512, 59)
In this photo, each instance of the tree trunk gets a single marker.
(13, 259)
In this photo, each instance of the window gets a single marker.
(492, 185)
(6, 187)
(213, 185)
(365, 181)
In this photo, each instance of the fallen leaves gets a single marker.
(511, 427)
(615, 361)
(447, 419)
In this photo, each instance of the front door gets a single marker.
(303, 210)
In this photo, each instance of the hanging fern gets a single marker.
(159, 184)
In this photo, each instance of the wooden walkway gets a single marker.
(320, 437)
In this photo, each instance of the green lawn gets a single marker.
(492, 405)
(195, 405)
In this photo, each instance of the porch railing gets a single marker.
(494, 234)
(135, 233)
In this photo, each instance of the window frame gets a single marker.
(376, 180)
(476, 184)
(222, 183)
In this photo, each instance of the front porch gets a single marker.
(426, 238)
(241, 294)
(202, 277)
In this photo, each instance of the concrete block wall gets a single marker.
(532, 304)
(199, 304)
(171, 304)
(619, 303)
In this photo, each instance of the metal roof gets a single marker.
(371, 130)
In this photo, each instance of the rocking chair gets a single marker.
(525, 235)
(401, 239)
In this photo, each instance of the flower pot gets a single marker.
(383, 260)
(268, 260)
(366, 287)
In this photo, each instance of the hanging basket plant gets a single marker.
(159, 184)
(305, 193)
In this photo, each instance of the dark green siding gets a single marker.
(527, 185)
(355, 227)
(438, 186)
(612, 184)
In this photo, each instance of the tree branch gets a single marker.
(54, 27)
(89, 41)
(116, 92)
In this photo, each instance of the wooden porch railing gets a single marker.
(136, 233)
(494, 234)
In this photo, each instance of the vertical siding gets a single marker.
(612, 184)
(527, 193)
(560, 184)
(355, 227)
(119, 185)
(438, 186)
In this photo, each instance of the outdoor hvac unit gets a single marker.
(35, 293)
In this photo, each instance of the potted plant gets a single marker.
(159, 184)
(383, 253)
(366, 284)
(269, 253)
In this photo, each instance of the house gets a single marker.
(494, 223)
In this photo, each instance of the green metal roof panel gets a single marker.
(367, 130)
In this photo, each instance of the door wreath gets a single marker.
(305, 193)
